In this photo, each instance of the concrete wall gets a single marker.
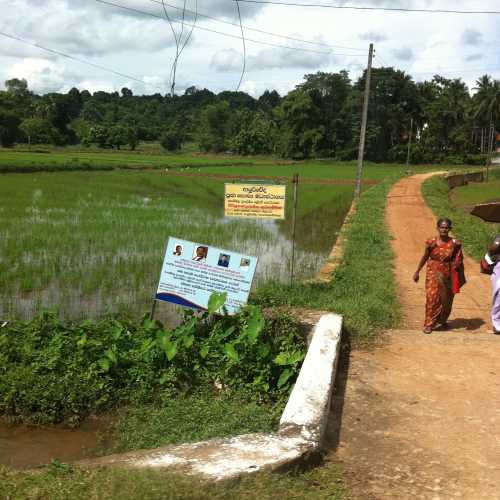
(299, 437)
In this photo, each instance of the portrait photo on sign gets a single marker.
(178, 250)
(244, 264)
(200, 253)
(223, 260)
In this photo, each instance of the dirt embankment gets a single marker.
(419, 415)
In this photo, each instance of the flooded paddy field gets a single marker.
(90, 243)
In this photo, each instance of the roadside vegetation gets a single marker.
(362, 288)
(62, 481)
(53, 371)
(476, 235)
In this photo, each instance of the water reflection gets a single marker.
(89, 275)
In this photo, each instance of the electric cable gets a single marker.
(244, 48)
(238, 37)
(247, 28)
(67, 56)
(359, 7)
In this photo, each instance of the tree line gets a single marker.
(319, 118)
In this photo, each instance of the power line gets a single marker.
(238, 37)
(355, 7)
(247, 28)
(67, 56)
(244, 48)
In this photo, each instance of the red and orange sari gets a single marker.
(443, 279)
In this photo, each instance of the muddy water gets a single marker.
(24, 447)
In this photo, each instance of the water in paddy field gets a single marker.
(99, 256)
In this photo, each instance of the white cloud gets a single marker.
(138, 45)
(42, 75)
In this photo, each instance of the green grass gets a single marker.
(190, 418)
(60, 482)
(362, 288)
(475, 234)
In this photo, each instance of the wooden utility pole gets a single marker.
(361, 150)
(294, 221)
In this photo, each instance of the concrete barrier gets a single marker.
(299, 437)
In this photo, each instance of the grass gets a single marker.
(362, 287)
(475, 234)
(61, 482)
(92, 243)
(194, 417)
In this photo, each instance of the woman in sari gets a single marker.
(493, 258)
(444, 275)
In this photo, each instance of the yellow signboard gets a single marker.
(255, 201)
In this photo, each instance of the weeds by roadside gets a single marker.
(474, 233)
(362, 288)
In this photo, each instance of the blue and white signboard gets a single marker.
(192, 271)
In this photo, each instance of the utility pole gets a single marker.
(409, 147)
(361, 150)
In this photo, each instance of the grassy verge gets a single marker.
(362, 288)
(474, 233)
(195, 417)
(61, 482)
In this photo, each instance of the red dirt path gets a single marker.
(419, 415)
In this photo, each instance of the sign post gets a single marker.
(294, 220)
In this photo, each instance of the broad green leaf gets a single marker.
(117, 332)
(204, 351)
(282, 359)
(285, 375)
(264, 350)
(228, 332)
(255, 325)
(188, 340)
(170, 350)
(149, 325)
(111, 355)
(216, 301)
(231, 352)
(82, 340)
(162, 338)
(104, 363)
(295, 357)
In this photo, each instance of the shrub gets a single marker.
(52, 371)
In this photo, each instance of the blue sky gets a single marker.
(142, 45)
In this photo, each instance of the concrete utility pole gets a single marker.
(409, 147)
(361, 150)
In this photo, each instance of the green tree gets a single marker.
(215, 127)
(9, 128)
(39, 131)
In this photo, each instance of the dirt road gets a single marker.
(419, 416)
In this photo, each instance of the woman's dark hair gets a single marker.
(444, 219)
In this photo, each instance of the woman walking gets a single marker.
(444, 275)
(493, 258)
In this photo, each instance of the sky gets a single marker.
(132, 43)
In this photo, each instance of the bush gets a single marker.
(52, 371)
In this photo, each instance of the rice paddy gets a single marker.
(89, 243)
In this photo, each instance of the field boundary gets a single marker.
(309, 180)
(299, 438)
(336, 255)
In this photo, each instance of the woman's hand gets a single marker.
(416, 277)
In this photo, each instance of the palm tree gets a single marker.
(487, 100)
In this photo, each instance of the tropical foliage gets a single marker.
(319, 118)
